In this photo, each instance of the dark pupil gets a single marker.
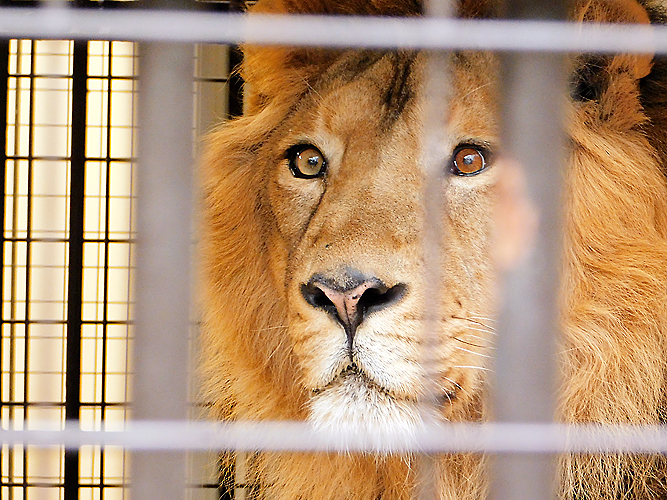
(313, 161)
(469, 159)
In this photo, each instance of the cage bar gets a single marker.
(333, 31)
(165, 225)
(75, 259)
(524, 377)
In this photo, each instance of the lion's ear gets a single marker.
(612, 11)
(610, 84)
(277, 72)
(619, 11)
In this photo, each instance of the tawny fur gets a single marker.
(262, 238)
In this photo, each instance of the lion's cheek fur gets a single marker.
(470, 272)
(241, 296)
(319, 344)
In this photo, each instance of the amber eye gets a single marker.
(306, 161)
(468, 160)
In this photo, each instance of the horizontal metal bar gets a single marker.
(297, 436)
(330, 31)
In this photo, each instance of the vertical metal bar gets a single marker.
(437, 95)
(75, 258)
(437, 86)
(533, 88)
(28, 258)
(105, 239)
(14, 272)
(525, 369)
(163, 250)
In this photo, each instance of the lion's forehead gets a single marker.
(377, 100)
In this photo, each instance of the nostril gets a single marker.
(316, 297)
(379, 296)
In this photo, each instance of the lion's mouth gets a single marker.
(354, 402)
(353, 372)
(352, 375)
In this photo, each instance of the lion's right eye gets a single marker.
(306, 161)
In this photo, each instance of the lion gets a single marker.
(311, 255)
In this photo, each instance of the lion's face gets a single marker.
(313, 261)
(344, 188)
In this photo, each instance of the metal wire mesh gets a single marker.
(67, 279)
(67, 288)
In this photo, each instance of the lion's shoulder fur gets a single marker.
(614, 346)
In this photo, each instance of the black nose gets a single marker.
(349, 298)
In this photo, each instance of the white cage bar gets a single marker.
(333, 31)
(163, 246)
(190, 27)
(520, 438)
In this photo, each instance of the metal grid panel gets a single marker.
(71, 149)
(35, 233)
(67, 279)
(107, 261)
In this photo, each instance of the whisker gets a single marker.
(280, 345)
(473, 329)
(475, 90)
(485, 318)
(313, 90)
(469, 343)
(472, 352)
(473, 367)
(266, 329)
(456, 384)
(483, 339)
(475, 321)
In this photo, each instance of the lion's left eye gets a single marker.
(468, 160)
(306, 161)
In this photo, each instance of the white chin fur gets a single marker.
(364, 415)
